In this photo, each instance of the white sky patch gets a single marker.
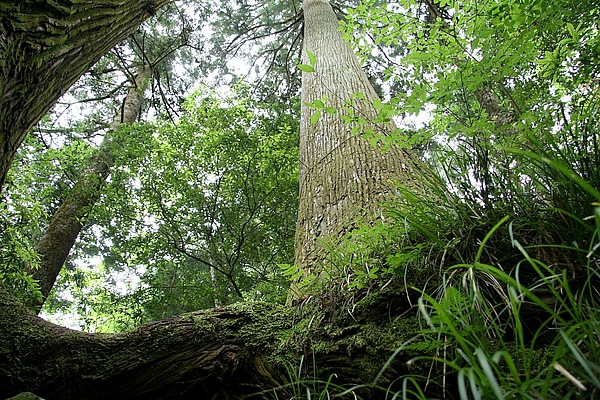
(71, 320)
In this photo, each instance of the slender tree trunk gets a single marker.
(61, 234)
(215, 287)
(343, 178)
(503, 116)
(45, 46)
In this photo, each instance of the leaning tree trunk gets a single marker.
(66, 223)
(343, 178)
(45, 46)
(224, 353)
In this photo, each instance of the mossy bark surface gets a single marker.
(45, 46)
(226, 353)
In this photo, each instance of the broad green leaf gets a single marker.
(378, 104)
(315, 117)
(306, 68)
(311, 57)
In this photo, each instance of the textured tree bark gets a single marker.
(198, 354)
(224, 353)
(503, 116)
(343, 179)
(45, 47)
(66, 223)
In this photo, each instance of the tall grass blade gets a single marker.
(560, 167)
(580, 359)
(569, 376)
(488, 236)
(488, 373)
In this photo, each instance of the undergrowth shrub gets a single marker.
(511, 324)
(509, 301)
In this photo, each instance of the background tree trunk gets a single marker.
(58, 240)
(343, 178)
(45, 47)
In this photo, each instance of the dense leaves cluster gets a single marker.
(501, 81)
(202, 212)
(512, 96)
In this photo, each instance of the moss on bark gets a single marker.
(232, 352)
(46, 47)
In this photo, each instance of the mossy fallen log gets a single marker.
(245, 350)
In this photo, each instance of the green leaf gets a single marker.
(311, 57)
(306, 68)
(315, 117)
(378, 104)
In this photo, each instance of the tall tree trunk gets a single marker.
(56, 243)
(45, 46)
(343, 178)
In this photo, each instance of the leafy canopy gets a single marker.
(201, 211)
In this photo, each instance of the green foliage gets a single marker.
(267, 38)
(489, 335)
(512, 136)
(94, 301)
(309, 388)
(28, 198)
(312, 60)
(16, 254)
(496, 115)
(499, 350)
(202, 212)
(321, 106)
